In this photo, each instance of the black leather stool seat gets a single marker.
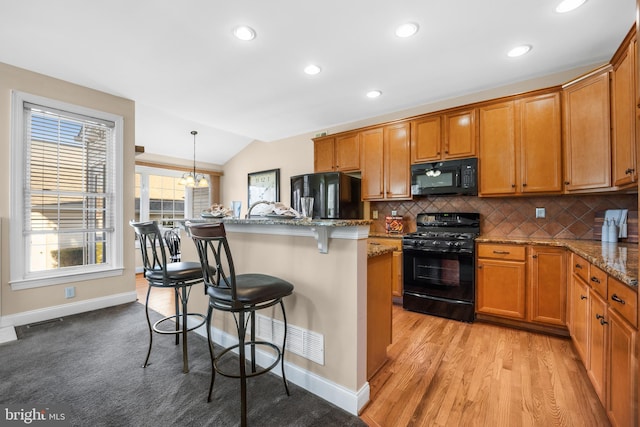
(253, 289)
(175, 272)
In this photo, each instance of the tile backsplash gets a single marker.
(567, 216)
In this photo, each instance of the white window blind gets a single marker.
(68, 188)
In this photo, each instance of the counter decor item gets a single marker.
(216, 211)
(393, 224)
(623, 220)
(263, 186)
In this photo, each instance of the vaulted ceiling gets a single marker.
(182, 65)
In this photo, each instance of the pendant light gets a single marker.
(192, 179)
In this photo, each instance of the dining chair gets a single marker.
(179, 276)
(241, 295)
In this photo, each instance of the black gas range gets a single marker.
(439, 265)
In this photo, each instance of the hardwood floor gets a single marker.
(447, 373)
(161, 300)
(442, 372)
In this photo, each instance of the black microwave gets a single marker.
(447, 177)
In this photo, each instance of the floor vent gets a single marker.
(302, 342)
(44, 322)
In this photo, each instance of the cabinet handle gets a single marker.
(446, 151)
(502, 252)
(480, 266)
(583, 297)
(595, 279)
(599, 316)
(603, 322)
(616, 298)
(579, 266)
(513, 186)
(627, 172)
(524, 185)
(566, 183)
(534, 256)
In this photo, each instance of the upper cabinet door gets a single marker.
(372, 164)
(324, 155)
(396, 158)
(426, 139)
(540, 137)
(348, 152)
(460, 134)
(623, 111)
(587, 133)
(497, 149)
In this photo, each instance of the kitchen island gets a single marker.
(326, 261)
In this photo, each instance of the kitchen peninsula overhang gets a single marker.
(322, 230)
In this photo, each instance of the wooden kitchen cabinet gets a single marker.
(451, 135)
(622, 372)
(378, 311)
(623, 109)
(580, 317)
(520, 146)
(548, 278)
(598, 349)
(587, 132)
(500, 280)
(396, 264)
(337, 153)
(497, 159)
(386, 156)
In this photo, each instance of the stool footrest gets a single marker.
(248, 374)
(173, 317)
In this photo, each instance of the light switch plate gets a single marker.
(540, 212)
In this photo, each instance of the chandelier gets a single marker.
(191, 179)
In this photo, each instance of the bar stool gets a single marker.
(180, 276)
(242, 295)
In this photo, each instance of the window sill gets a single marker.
(39, 282)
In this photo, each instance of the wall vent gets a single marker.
(300, 341)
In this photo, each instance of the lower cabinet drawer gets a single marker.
(624, 300)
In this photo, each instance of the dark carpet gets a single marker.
(91, 364)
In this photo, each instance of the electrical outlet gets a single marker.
(540, 212)
(70, 292)
(374, 214)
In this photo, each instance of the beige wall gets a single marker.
(12, 78)
(293, 156)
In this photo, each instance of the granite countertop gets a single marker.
(376, 249)
(274, 220)
(620, 260)
(385, 235)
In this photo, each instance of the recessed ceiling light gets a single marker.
(569, 5)
(519, 50)
(244, 33)
(407, 30)
(374, 94)
(312, 69)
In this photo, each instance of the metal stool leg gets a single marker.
(176, 298)
(185, 353)
(284, 343)
(146, 309)
(243, 373)
(213, 369)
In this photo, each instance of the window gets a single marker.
(159, 197)
(66, 192)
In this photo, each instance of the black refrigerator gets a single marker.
(335, 195)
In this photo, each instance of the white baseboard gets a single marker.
(349, 400)
(40, 315)
(8, 334)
